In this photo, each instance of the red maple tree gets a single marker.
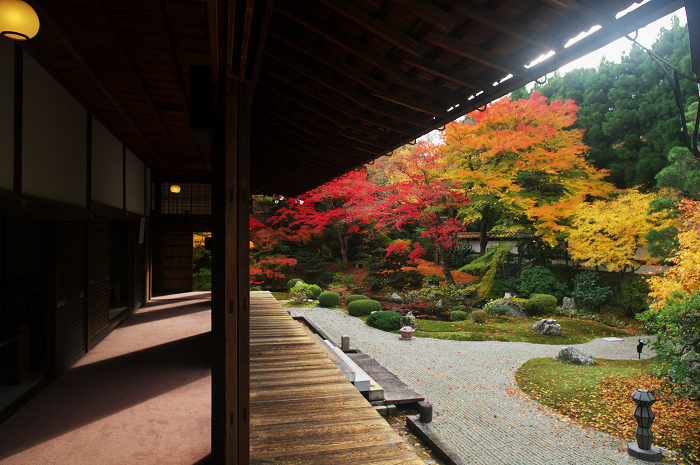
(347, 204)
(419, 194)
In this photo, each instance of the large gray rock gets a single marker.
(409, 320)
(547, 327)
(575, 356)
(513, 308)
(568, 305)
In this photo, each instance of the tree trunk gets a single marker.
(483, 238)
(445, 259)
(436, 257)
(343, 245)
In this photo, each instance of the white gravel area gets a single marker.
(478, 409)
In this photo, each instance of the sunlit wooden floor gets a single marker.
(303, 409)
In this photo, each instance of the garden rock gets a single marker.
(574, 356)
(395, 296)
(568, 305)
(547, 327)
(409, 320)
(513, 308)
(439, 304)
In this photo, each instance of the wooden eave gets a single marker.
(336, 83)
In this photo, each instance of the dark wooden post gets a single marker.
(230, 288)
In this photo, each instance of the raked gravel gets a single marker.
(478, 409)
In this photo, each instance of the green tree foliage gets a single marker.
(487, 265)
(589, 292)
(628, 110)
(677, 344)
(539, 280)
(635, 294)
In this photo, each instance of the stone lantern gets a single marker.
(642, 449)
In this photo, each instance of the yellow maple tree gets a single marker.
(612, 232)
(684, 276)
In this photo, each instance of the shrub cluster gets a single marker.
(293, 282)
(604, 318)
(478, 316)
(364, 307)
(353, 297)
(635, 294)
(492, 308)
(458, 315)
(300, 291)
(386, 321)
(329, 299)
(540, 304)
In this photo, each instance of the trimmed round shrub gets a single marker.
(314, 291)
(293, 282)
(479, 316)
(364, 307)
(540, 304)
(458, 315)
(386, 321)
(329, 299)
(300, 291)
(353, 297)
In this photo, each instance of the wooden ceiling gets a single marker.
(336, 83)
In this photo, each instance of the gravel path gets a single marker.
(478, 409)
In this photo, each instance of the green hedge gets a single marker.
(386, 321)
(364, 307)
(353, 297)
(458, 315)
(329, 299)
(540, 304)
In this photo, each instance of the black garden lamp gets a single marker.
(640, 346)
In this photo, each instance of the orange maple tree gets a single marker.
(518, 160)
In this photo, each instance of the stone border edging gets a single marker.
(431, 440)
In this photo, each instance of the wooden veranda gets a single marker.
(302, 409)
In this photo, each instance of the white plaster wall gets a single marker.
(54, 140)
(134, 184)
(7, 112)
(107, 167)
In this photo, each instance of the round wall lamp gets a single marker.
(18, 20)
(175, 188)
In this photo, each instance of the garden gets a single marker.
(539, 207)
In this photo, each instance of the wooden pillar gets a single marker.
(230, 281)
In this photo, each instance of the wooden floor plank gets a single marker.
(303, 409)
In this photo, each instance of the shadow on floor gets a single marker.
(93, 391)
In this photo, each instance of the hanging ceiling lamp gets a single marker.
(18, 20)
(174, 188)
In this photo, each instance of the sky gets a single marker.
(612, 52)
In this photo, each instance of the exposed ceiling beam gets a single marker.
(175, 64)
(467, 50)
(278, 86)
(412, 103)
(139, 80)
(47, 17)
(321, 78)
(453, 75)
(333, 62)
(506, 25)
(377, 26)
(430, 13)
(345, 41)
